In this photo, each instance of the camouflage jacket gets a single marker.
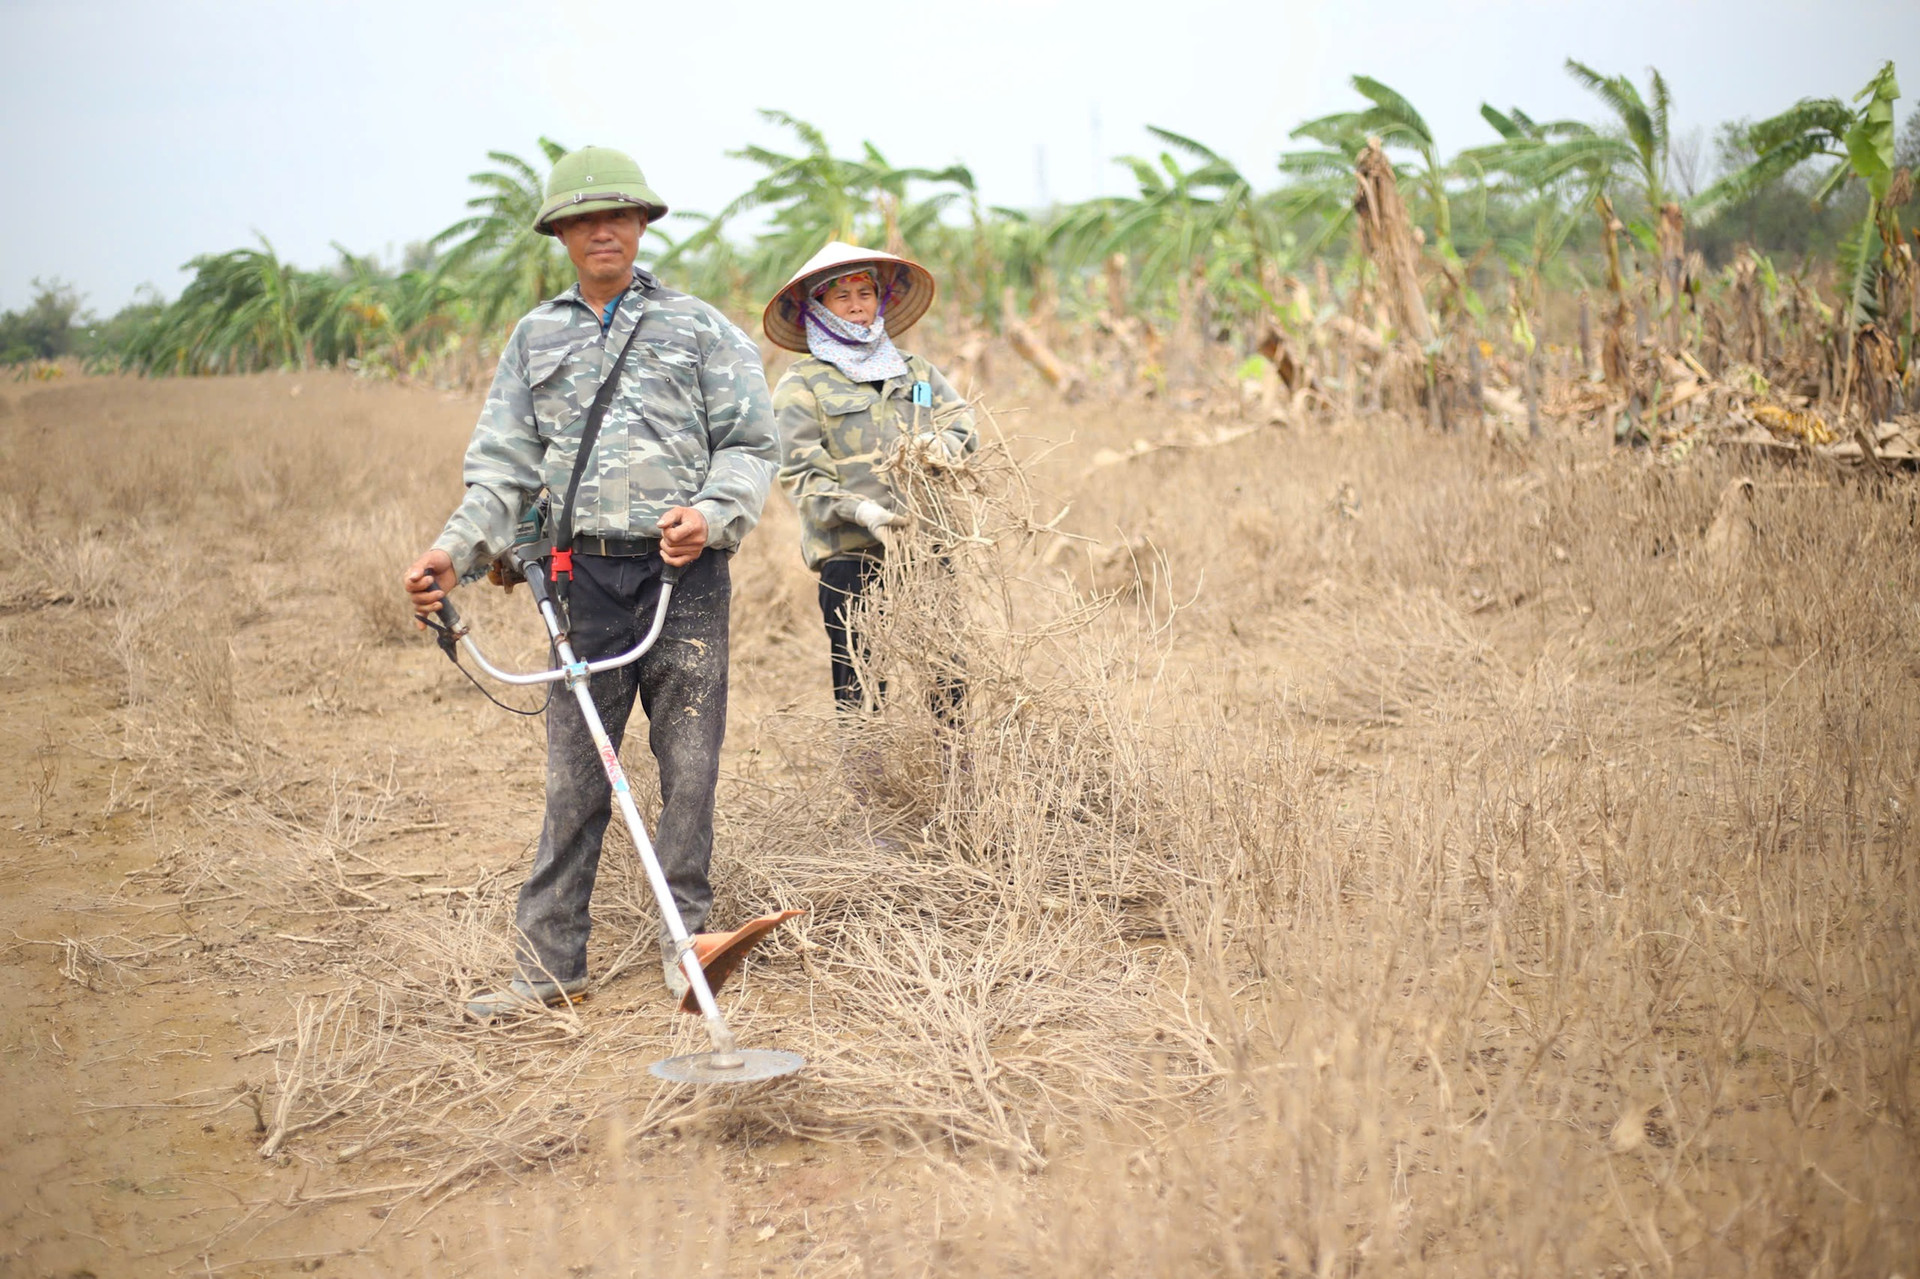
(690, 425)
(835, 431)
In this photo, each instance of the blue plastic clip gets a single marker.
(923, 394)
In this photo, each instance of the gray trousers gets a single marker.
(682, 684)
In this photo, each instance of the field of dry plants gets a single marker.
(1369, 851)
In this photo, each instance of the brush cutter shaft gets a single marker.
(717, 1030)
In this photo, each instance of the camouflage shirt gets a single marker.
(689, 426)
(834, 432)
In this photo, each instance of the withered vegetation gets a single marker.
(1365, 849)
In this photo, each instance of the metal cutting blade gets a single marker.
(755, 1064)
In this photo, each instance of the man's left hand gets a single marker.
(683, 535)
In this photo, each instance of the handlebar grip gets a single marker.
(448, 615)
(444, 624)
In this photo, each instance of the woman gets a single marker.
(843, 409)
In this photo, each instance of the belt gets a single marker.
(617, 547)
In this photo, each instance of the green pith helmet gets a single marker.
(595, 178)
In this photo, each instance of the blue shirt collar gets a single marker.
(606, 316)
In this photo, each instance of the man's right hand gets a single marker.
(428, 582)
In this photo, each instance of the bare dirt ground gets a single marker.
(1371, 852)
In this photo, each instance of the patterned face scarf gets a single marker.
(863, 352)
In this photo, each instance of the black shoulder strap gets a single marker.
(563, 528)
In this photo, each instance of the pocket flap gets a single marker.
(668, 352)
(543, 363)
(841, 403)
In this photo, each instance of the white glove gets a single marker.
(940, 451)
(872, 516)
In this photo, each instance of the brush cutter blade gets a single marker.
(720, 953)
(754, 1065)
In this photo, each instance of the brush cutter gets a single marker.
(722, 952)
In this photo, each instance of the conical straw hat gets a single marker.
(912, 292)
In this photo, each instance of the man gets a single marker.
(678, 475)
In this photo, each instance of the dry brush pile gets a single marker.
(1362, 851)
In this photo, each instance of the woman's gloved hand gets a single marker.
(872, 516)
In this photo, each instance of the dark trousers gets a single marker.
(682, 685)
(844, 581)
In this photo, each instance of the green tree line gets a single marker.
(1534, 207)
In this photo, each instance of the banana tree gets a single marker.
(426, 314)
(1002, 248)
(701, 261)
(497, 261)
(1631, 158)
(1316, 195)
(352, 315)
(1399, 126)
(1859, 140)
(382, 320)
(815, 196)
(1206, 213)
(1551, 207)
(1640, 153)
(243, 310)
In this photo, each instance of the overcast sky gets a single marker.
(138, 133)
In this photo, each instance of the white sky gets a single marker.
(135, 134)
